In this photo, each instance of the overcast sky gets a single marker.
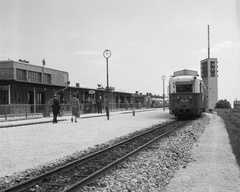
(147, 38)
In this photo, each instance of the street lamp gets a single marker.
(163, 78)
(68, 82)
(107, 54)
(43, 63)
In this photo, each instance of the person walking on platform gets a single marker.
(55, 108)
(75, 107)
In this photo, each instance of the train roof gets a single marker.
(185, 78)
(185, 72)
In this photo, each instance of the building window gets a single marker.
(40, 101)
(3, 94)
(39, 98)
(18, 94)
(34, 77)
(21, 96)
(204, 69)
(46, 78)
(21, 75)
(212, 68)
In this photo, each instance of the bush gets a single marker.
(223, 104)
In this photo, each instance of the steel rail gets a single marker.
(109, 167)
(39, 179)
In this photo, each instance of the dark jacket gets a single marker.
(55, 105)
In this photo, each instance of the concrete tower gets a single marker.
(209, 74)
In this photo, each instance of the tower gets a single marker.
(209, 74)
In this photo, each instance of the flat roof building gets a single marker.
(27, 88)
(26, 83)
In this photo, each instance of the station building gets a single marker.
(22, 83)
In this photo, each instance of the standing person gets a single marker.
(50, 103)
(126, 105)
(131, 104)
(99, 106)
(62, 105)
(75, 107)
(55, 108)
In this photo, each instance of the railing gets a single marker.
(28, 111)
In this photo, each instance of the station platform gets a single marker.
(32, 121)
(28, 144)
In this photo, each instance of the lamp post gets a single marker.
(163, 78)
(43, 63)
(68, 82)
(107, 54)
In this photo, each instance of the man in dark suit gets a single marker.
(55, 108)
(99, 106)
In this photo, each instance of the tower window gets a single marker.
(212, 68)
(204, 69)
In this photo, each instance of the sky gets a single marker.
(147, 39)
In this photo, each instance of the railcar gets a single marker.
(186, 94)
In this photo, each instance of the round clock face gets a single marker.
(107, 53)
(163, 77)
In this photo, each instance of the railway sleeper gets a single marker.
(70, 175)
(53, 184)
(93, 166)
(153, 147)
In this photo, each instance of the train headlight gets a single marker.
(190, 97)
(178, 97)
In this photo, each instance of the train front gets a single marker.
(185, 96)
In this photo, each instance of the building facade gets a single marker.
(209, 74)
(24, 84)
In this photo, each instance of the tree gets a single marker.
(223, 104)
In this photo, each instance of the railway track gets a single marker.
(77, 174)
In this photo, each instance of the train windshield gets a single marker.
(183, 88)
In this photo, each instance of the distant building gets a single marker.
(209, 74)
(236, 104)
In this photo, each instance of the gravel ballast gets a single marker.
(153, 168)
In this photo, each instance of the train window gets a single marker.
(183, 88)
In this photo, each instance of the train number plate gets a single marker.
(184, 100)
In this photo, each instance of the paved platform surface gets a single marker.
(214, 168)
(31, 121)
(30, 143)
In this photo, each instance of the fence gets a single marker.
(28, 111)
